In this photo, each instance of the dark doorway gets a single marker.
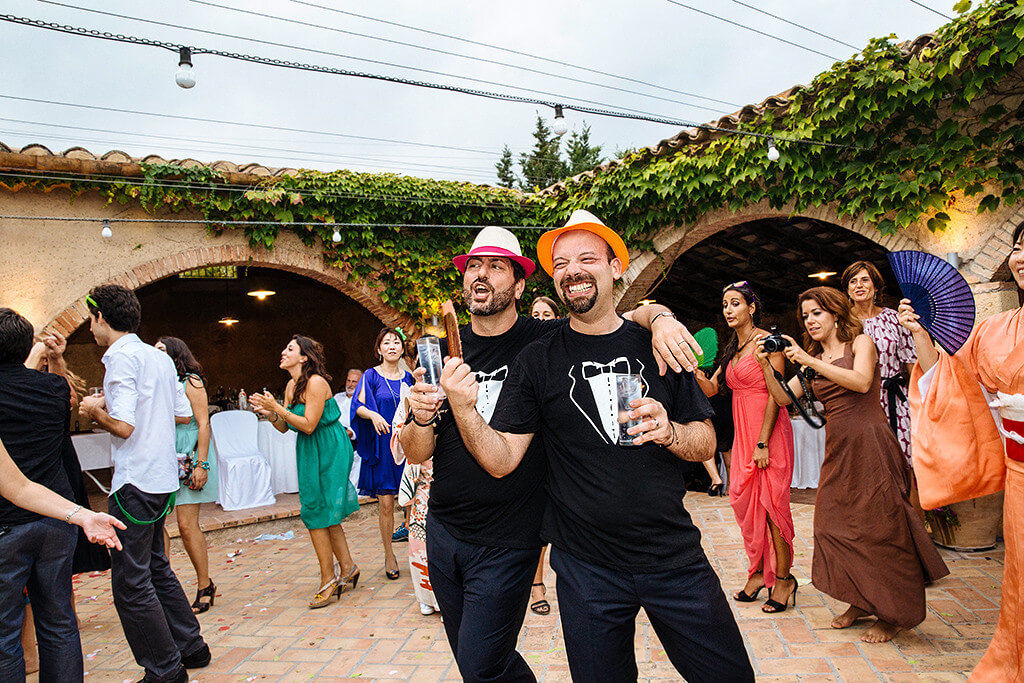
(245, 355)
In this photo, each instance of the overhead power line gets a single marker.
(793, 23)
(752, 29)
(352, 57)
(264, 126)
(932, 10)
(298, 158)
(505, 97)
(511, 51)
(445, 52)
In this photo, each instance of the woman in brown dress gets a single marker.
(870, 547)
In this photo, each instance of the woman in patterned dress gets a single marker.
(863, 285)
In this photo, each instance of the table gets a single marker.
(808, 453)
(94, 454)
(280, 452)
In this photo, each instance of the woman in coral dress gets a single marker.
(762, 455)
(963, 450)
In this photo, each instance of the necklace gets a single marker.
(387, 383)
(744, 344)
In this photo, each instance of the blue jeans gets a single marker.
(598, 608)
(482, 592)
(38, 556)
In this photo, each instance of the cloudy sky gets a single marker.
(429, 133)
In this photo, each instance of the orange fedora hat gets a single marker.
(581, 220)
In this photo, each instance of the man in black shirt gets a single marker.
(621, 538)
(35, 552)
(483, 529)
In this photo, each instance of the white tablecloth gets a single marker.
(280, 451)
(93, 450)
(808, 453)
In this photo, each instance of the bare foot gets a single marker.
(846, 619)
(754, 583)
(880, 632)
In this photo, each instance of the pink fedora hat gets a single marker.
(494, 241)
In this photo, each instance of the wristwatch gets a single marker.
(761, 444)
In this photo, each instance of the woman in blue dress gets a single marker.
(373, 407)
(193, 439)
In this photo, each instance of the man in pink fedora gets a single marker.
(621, 539)
(483, 530)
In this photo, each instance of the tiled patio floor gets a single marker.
(260, 628)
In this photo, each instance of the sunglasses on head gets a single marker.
(741, 283)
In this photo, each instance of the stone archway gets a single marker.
(646, 267)
(306, 263)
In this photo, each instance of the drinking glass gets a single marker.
(429, 349)
(628, 388)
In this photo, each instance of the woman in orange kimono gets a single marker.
(968, 441)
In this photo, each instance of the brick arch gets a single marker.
(646, 267)
(305, 263)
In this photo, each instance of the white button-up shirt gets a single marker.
(141, 388)
(345, 403)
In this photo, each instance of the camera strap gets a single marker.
(815, 419)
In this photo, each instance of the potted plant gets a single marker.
(969, 525)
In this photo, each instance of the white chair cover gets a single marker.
(280, 451)
(808, 454)
(243, 472)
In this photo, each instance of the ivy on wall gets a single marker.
(941, 123)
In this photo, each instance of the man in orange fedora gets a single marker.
(483, 529)
(620, 536)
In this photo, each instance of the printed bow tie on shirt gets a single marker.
(601, 378)
(488, 391)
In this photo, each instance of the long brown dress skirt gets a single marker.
(870, 548)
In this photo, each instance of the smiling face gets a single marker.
(736, 310)
(489, 285)
(861, 287)
(819, 323)
(390, 348)
(583, 270)
(292, 356)
(542, 311)
(1016, 261)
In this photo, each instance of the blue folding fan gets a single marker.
(938, 293)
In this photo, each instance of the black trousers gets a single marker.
(155, 614)
(483, 592)
(686, 606)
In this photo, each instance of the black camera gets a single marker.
(774, 342)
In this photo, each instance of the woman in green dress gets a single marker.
(324, 457)
(193, 439)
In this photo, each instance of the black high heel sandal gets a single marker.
(199, 606)
(743, 596)
(774, 606)
(716, 490)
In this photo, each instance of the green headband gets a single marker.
(90, 300)
(400, 332)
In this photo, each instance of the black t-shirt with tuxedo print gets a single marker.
(609, 505)
(474, 506)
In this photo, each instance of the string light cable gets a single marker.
(203, 221)
(192, 51)
(102, 179)
(267, 61)
(510, 51)
(427, 48)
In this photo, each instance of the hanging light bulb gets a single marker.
(185, 76)
(106, 231)
(559, 126)
(336, 237)
(773, 151)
